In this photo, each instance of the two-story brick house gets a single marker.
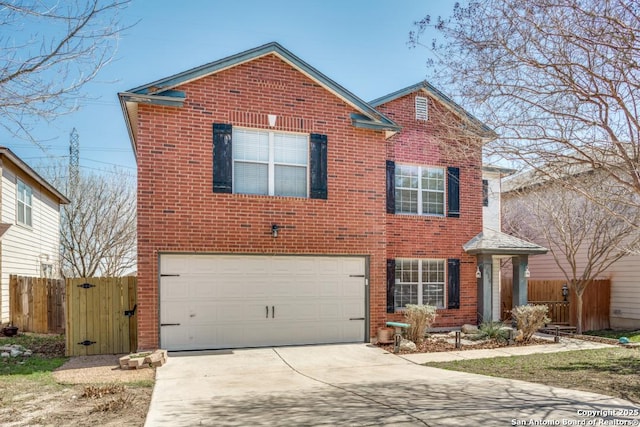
(276, 207)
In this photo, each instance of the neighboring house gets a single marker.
(276, 207)
(624, 274)
(29, 225)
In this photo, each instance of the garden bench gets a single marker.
(397, 335)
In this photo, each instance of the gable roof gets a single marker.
(7, 154)
(477, 126)
(162, 92)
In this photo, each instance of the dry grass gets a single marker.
(610, 371)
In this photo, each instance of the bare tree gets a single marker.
(48, 52)
(582, 236)
(99, 226)
(558, 80)
(98, 236)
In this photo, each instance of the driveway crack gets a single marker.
(362, 396)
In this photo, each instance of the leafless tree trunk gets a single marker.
(48, 52)
(582, 236)
(558, 80)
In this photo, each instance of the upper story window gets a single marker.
(260, 161)
(422, 108)
(270, 163)
(419, 190)
(24, 204)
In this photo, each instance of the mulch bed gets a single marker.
(440, 344)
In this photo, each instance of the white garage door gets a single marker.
(231, 301)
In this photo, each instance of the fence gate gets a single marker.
(101, 316)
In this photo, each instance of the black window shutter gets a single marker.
(391, 186)
(453, 192)
(453, 283)
(222, 158)
(391, 285)
(318, 166)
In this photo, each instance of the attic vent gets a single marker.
(422, 112)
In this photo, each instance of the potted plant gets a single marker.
(10, 330)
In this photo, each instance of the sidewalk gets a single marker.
(565, 344)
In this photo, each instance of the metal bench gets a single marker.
(397, 335)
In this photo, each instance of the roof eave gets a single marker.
(5, 152)
(507, 251)
(364, 122)
(165, 100)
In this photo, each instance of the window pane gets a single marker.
(290, 181)
(433, 179)
(433, 282)
(432, 203)
(407, 201)
(406, 176)
(250, 178)
(290, 148)
(250, 145)
(406, 294)
(21, 213)
(27, 219)
(433, 295)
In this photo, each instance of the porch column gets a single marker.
(520, 281)
(485, 309)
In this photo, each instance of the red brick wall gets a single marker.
(178, 212)
(432, 143)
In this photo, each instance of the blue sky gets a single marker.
(360, 44)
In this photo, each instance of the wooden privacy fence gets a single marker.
(596, 301)
(36, 304)
(101, 316)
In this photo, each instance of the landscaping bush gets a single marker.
(491, 330)
(420, 317)
(530, 318)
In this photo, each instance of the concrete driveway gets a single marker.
(353, 384)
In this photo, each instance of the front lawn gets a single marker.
(634, 336)
(610, 371)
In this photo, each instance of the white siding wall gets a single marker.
(491, 220)
(491, 214)
(24, 248)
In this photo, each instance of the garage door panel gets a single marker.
(248, 301)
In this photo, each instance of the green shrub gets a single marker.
(420, 317)
(491, 330)
(530, 318)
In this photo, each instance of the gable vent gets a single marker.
(422, 111)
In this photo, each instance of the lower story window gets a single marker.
(420, 281)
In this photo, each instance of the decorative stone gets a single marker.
(5, 354)
(406, 345)
(469, 329)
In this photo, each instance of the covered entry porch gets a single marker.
(490, 247)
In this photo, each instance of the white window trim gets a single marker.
(271, 163)
(420, 191)
(20, 183)
(422, 108)
(420, 284)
